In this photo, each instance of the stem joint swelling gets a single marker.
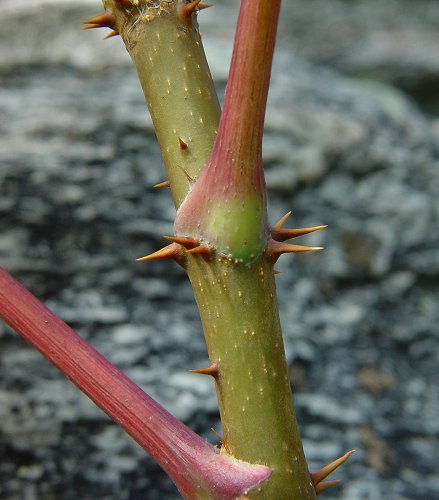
(274, 248)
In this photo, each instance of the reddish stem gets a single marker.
(242, 119)
(226, 207)
(193, 464)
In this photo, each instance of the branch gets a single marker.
(195, 466)
(226, 208)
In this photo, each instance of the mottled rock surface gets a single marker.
(77, 159)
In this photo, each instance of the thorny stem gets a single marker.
(235, 289)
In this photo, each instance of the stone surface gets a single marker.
(77, 159)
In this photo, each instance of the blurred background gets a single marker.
(352, 141)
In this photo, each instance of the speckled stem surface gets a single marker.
(240, 318)
(172, 68)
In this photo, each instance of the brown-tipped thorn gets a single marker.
(172, 251)
(101, 21)
(190, 179)
(280, 234)
(323, 473)
(189, 8)
(182, 144)
(211, 370)
(186, 241)
(319, 488)
(111, 34)
(280, 223)
(201, 250)
(185, 12)
(164, 184)
(275, 248)
(92, 26)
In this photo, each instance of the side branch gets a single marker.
(195, 466)
(242, 119)
(226, 209)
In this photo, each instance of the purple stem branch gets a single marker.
(194, 465)
(242, 119)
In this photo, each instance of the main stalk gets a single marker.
(222, 238)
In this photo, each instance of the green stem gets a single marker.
(235, 289)
(238, 310)
(167, 51)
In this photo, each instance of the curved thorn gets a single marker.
(101, 21)
(325, 485)
(280, 234)
(317, 477)
(275, 248)
(172, 251)
(182, 144)
(185, 12)
(282, 220)
(111, 34)
(164, 184)
(189, 8)
(187, 241)
(211, 370)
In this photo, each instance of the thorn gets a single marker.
(172, 251)
(104, 20)
(111, 34)
(201, 250)
(280, 223)
(190, 179)
(280, 234)
(323, 473)
(211, 370)
(182, 144)
(216, 434)
(91, 26)
(275, 271)
(187, 10)
(164, 184)
(186, 241)
(275, 248)
(319, 488)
